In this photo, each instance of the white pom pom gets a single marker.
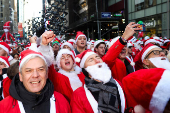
(77, 59)
(139, 109)
(132, 63)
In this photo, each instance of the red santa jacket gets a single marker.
(6, 84)
(7, 38)
(117, 67)
(10, 105)
(82, 100)
(61, 82)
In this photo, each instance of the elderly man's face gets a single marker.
(34, 75)
(92, 60)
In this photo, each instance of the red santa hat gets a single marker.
(149, 88)
(4, 60)
(5, 46)
(72, 40)
(81, 58)
(142, 54)
(98, 42)
(61, 52)
(7, 24)
(68, 43)
(27, 54)
(151, 40)
(79, 33)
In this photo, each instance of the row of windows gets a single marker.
(142, 4)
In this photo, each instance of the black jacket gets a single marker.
(33, 103)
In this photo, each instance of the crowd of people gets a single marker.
(122, 75)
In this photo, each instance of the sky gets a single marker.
(32, 8)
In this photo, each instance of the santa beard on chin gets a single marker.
(161, 62)
(99, 72)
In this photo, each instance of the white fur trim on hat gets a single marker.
(60, 53)
(151, 40)
(68, 44)
(72, 40)
(28, 56)
(147, 50)
(98, 42)
(2, 60)
(85, 57)
(160, 96)
(3, 47)
(79, 36)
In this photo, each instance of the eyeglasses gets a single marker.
(40, 70)
(157, 52)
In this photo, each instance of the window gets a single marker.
(143, 4)
(1, 15)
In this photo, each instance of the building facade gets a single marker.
(8, 13)
(97, 18)
(154, 13)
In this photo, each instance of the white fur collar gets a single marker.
(73, 78)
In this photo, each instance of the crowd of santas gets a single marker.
(123, 75)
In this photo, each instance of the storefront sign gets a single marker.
(150, 23)
(105, 14)
(20, 29)
(117, 14)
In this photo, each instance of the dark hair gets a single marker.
(85, 73)
(99, 44)
(15, 54)
(13, 70)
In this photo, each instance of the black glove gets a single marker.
(40, 30)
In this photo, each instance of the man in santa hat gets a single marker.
(147, 90)
(152, 56)
(31, 90)
(4, 64)
(129, 57)
(100, 47)
(81, 41)
(101, 93)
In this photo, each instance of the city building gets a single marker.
(8, 12)
(97, 18)
(154, 14)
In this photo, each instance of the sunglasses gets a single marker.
(157, 52)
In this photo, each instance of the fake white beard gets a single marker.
(100, 72)
(160, 63)
(6, 30)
